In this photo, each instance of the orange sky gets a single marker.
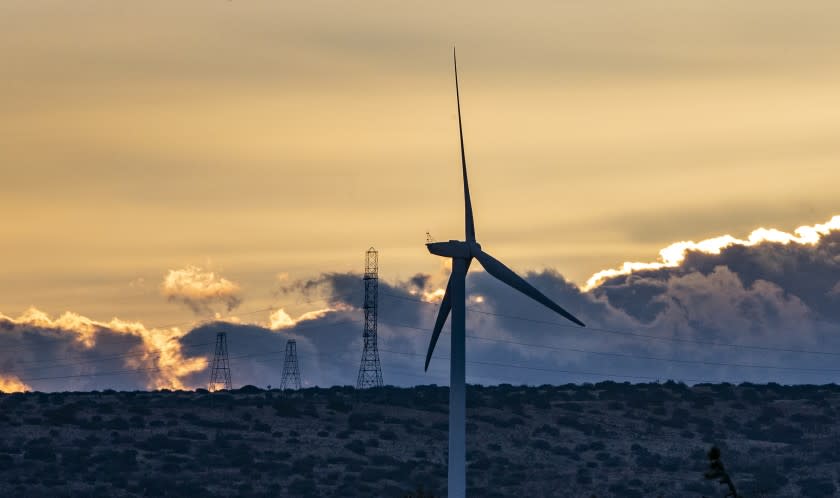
(263, 138)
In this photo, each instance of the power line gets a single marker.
(484, 338)
(124, 336)
(628, 355)
(555, 370)
(106, 358)
(630, 333)
(476, 362)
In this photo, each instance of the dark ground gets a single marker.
(607, 439)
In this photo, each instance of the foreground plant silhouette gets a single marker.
(420, 493)
(718, 472)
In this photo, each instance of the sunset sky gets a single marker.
(271, 142)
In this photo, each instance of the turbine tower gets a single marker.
(291, 373)
(370, 371)
(462, 254)
(220, 371)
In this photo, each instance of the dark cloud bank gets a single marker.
(772, 295)
(776, 296)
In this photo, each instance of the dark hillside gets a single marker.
(606, 439)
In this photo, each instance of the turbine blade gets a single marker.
(443, 313)
(468, 214)
(500, 271)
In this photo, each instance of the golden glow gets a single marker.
(11, 384)
(434, 296)
(160, 346)
(279, 319)
(200, 289)
(675, 254)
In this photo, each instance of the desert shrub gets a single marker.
(39, 452)
(769, 477)
(356, 446)
(540, 444)
(750, 395)
(186, 434)
(702, 402)
(285, 408)
(240, 455)
(622, 490)
(116, 423)
(339, 405)
(768, 415)
(571, 407)
(700, 487)
(115, 462)
(139, 409)
(63, 415)
(580, 425)
(160, 443)
(583, 476)
(547, 430)
(306, 465)
(388, 435)
(302, 487)
(359, 422)
(421, 493)
(440, 426)
(816, 487)
(105, 408)
(261, 427)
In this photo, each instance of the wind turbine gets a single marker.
(462, 253)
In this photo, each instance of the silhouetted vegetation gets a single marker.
(605, 439)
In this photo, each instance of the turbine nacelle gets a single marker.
(454, 249)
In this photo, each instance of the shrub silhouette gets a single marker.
(420, 493)
(718, 472)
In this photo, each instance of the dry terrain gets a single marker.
(603, 440)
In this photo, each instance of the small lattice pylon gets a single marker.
(220, 369)
(291, 372)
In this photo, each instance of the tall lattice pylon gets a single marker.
(370, 371)
(220, 369)
(291, 372)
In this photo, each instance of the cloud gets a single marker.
(73, 352)
(808, 269)
(12, 384)
(279, 319)
(200, 290)
(772, 290)
(687, 321)
(675, 254)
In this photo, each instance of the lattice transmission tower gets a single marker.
(220, 369)
(370, 371)
(291, 372)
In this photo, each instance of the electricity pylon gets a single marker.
(220, 369)
(291, 372)
(370, 371)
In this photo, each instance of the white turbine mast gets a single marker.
(462, 254)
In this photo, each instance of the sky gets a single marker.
(164, 164)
